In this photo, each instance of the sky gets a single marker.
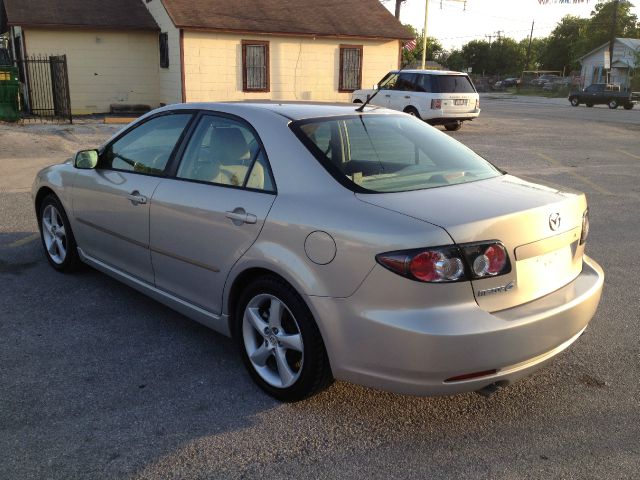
(454, 26)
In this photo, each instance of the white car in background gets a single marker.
(436, 96)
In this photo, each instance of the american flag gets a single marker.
(410, 46)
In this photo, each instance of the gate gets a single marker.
(45, 91)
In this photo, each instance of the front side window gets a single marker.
(388, 82)
(406, 82)
(255, 66)
(390, 153)
(451, 84)
(350, 68)
(147, 148)
(224, 151)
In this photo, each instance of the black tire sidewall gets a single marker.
(72, 260)
(575, 102)
(453, 127)
(315, 366)
(613, 104)
(413, 112)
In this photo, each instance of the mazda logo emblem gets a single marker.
(554, 221)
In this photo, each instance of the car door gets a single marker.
(207, 216)
(403, 92)
(111, 202)
(386, 86)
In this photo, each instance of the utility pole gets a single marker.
(424, 46)
(398, 5)
(529, 47)
(489, 37)
(499, 34)
(612, 41)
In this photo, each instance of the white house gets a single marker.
(623, 63)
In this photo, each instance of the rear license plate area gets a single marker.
(460, 102)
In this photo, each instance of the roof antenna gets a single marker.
(369, 98)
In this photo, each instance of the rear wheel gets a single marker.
(613, 104)
(279, 341)
(412, 111)
(56, 235)
(628, 106)
(453, 127)
(574, 101)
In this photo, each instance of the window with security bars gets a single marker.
(164, 50)
(350, 68)
(255, 66)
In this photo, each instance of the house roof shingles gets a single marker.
(109, 14)
(329, 18)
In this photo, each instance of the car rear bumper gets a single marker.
(415, 351)
(441, 117)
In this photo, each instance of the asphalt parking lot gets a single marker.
(98, 381)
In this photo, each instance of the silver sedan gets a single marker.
(331, 243)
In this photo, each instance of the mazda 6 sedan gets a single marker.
(331, 243)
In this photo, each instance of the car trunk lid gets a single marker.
(545, 253)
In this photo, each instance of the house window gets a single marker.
(255, 66)
(350, 68)
(164, 50)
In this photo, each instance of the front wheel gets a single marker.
(279, 341)
(590, 105)
(412, 111)
(56, 235)
(574, 101)
(628, 106)
(613, 104)
(453, 127)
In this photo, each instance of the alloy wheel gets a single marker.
(273, 341)
(54, 234)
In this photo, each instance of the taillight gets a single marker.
(477, 103)
(449, 263)
(436, 104)
(585, 227)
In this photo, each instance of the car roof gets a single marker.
(290, 109)
(430, 72)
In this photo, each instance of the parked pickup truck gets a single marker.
(605, 94)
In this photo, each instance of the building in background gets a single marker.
(623, 63)
(151, 52)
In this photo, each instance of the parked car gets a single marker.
(604, 94)
(511, 82)
(330, 243)
(437, 97)
(542, 79)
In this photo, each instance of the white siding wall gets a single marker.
(105, 67)
(596, 59)
(170, 78)
(301, 68)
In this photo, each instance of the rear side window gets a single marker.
(390, 153)
(452, 84)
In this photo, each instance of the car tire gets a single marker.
(628, 106)
(269, 317)
(590, 105)
(357, 101)
(453, 127)
(412, 111)
(613, 104)
(56, 235)
(574, 101)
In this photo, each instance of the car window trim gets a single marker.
(140, 123)
(174, 164)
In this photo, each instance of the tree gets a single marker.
(599, 27)
(435, 50)
(565, 44)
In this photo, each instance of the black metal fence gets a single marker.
(45, 88)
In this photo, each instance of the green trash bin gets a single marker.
(9, 94)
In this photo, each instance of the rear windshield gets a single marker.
(451, 84)
(390, 153)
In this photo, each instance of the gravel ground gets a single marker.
(97, 381)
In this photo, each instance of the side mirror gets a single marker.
(86, 159)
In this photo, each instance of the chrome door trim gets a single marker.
(112, 233)
(219, 323)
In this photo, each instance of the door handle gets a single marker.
(136, 199)
(240, 216)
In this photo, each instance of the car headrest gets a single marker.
(229, 146)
